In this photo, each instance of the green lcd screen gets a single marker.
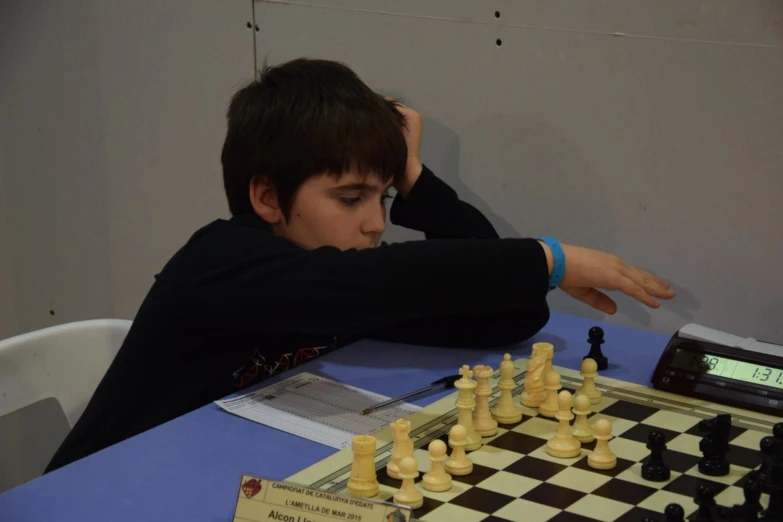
(729, 368)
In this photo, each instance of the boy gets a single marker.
(309, 157)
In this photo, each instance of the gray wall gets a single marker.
(111, 122)
(7, 297)
(113, 118)
(652, 129)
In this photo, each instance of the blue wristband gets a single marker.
(558, 272)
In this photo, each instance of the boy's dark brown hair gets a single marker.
(304, 118)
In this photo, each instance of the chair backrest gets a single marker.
(47, 377)
(64, 362)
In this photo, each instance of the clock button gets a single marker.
(665, 380)
(755, 391)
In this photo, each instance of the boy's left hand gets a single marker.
(412, 132)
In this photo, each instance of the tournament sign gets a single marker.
(262, 500)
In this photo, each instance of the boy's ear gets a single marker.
(263, 197)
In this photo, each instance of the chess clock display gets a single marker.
(711, 364)
(724, 374)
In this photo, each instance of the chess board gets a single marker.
(515, 479)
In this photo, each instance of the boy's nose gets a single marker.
(375, 223)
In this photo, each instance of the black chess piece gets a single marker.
(655, 469)
(715, 445)
(752, 491)
(774, 512)
(749, 511)
(768, 446)
(674, 513)
(705, 499)
(596, 338)
(727, 514)
(777, 434)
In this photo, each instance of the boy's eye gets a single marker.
(351, 202)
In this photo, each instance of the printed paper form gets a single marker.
(316, 409)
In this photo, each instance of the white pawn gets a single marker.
(459, 464)
(436, 479)
(602, 457)
(403, 446)
(589, 373)
(582, 430)
(505, 411)
(408, 494)
(564, 445)
(483, 422)
(549, 407)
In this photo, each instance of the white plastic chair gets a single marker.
(65, 363)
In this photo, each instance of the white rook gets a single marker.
(363, 481)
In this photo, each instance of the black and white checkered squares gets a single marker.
(515, 479)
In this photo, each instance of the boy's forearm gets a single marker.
(412, 175)
(327, 291)
(550, 258)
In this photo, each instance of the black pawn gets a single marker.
(655, 469)
(596, 338)
(774, 512)
(715, 445)
(749, 511)
(705, 499)
(767, 446)
(777, 435)
(674, 513)
(726, 513)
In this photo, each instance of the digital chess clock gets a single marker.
(723, 368)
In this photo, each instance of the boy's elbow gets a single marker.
(474, 331)
(514, 326)
(497, 330)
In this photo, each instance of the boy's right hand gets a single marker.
(413, 132)
(588, 271)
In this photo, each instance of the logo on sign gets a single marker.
(251, 488)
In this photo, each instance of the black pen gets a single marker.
(441, 384)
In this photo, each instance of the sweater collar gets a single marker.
(251, 220)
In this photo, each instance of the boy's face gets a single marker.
(348, 212)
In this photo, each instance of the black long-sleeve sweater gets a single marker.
(237, 304)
